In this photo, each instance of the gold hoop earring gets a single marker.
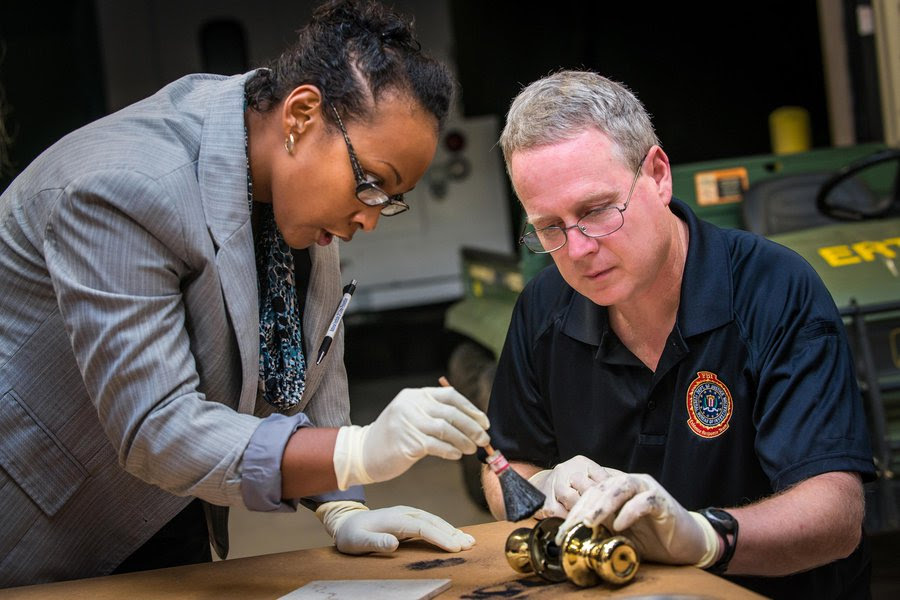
(289, 143)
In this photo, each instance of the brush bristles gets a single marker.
(520, 498)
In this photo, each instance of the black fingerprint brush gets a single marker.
(520, 498)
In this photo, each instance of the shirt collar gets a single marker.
(706, 288)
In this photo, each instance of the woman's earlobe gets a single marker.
(289, 142)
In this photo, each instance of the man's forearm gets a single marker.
(817, 521)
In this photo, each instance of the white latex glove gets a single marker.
(436, 421)
(358, 530)
(638, 507)
(564, 484)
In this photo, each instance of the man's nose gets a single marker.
(578, 244)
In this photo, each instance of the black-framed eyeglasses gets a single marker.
(367, 191)
(595, 224)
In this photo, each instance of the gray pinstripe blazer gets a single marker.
(129, 332)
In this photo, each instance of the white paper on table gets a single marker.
(370, 589)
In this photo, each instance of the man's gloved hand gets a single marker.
(564, 484)
(358, 530)
(436, 421)
(638, 507)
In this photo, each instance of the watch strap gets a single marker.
(725, 525)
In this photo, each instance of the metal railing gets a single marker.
(874, 387)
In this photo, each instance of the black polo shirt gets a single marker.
(754, 391)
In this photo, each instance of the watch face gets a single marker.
(716, 512)
(724, 517)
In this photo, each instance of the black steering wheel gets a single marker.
(853, 213)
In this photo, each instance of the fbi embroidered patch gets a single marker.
(709, 405)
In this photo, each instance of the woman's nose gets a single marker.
(367, 218)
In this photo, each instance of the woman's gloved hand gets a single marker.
(358, 530)
(436, 421)
(564, 484)
(638, 507)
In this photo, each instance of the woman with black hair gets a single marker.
(167, 273)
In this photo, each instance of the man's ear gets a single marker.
(301, 108)
(657, 166)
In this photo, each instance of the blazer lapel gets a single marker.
(222, 173)
(322, 298)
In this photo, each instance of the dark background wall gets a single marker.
(50, 72)
(709, 73)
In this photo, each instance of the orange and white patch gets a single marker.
(709, 405)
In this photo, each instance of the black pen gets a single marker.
(336, 319)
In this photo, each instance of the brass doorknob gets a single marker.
(534, 551)
(587, 556)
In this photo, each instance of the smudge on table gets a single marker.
(424, 565)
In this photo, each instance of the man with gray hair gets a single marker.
(689, 386)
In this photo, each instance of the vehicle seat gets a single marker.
(788, 202)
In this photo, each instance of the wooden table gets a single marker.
(480, 573)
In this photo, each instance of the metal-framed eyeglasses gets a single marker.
(367, 191)
(598, 223)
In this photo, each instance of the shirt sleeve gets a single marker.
(812, 399)
(261, 474)
(810, 419)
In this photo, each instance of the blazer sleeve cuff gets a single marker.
(261, 472)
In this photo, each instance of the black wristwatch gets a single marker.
(725, 525)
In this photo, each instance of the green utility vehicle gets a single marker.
(839, 208)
